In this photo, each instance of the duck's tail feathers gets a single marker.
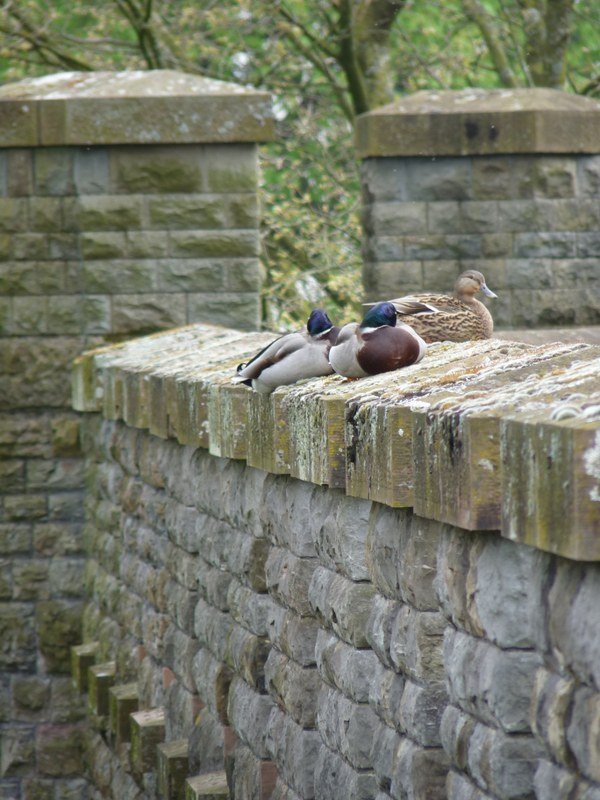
(239, 379)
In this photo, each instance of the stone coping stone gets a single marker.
(481, 122)
(131, 107)
(487, 435)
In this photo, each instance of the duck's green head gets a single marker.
(318, 322)
(379, 315)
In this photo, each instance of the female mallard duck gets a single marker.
(378, 344)
(457, 318)
(292, 357)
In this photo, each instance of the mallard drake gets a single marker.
(292, 357)
(459, 317)
(378, 344)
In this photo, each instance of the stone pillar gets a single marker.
(128, 203)
(503, 181)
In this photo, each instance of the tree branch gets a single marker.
(478, 14)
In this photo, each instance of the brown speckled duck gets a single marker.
(457, 318)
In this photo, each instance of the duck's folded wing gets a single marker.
(269, 355)
(410, 306)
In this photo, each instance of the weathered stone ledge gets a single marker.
(481, 122)
(484, 435)
(131, 107)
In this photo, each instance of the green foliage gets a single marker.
(311, 231)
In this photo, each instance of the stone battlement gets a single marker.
(459, 437)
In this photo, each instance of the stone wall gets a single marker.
(104, 233)
(505, 182)
(283, 634)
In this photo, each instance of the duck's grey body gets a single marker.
(290, 358)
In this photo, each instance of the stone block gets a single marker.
(206, 741)
(492, 177)
(391, 278)
(582, 732)
(248, 562)
(237, 310)
(253, 611)
(494, 685)
(187, 212)
(251, 777)
(172, 769)
(347, 728)
(210, 786)
(460, 787)
(340, 539)
(59, 750)
(294, 751)
(574, 625)
(213, 629)
(102, 277)
(443, 216)
(509, 587)
(293, 688)
(91, 170)
(143, 313)
(100, 679)
(249, 713)
(189, 275)
(401, 556)
(58, 626)
(246, 654)
(503, 765)
(336, 780)
(15, 539)
(83, 656)
(353, 672)
(180, 650)
(394, 218)
(419, 772)
(294, 635)
(416, 644)
(546, 245)
(342, 605)
(212, 679)
(439, 179)
(553, 781)
(157, 169)
(13, 215)
(420, 712)
(241, 274)
(17, 172)
(379, 627)
(102, 245)
(456, 729)
(231, 168)
(18, 751)
(181, 604)
(385, 696)
(214, 244)
(289, 578)
(122, 702)
(147, 731)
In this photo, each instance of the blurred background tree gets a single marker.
(324, 61)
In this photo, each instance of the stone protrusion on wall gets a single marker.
(503, 181)
(122, 702)
(147, 732)
(83, 656)
(100, 679)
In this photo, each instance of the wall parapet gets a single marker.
(467, 437)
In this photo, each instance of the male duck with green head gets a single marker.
(292, 357)
(380, 343)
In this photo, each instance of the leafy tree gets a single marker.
(325, 63)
